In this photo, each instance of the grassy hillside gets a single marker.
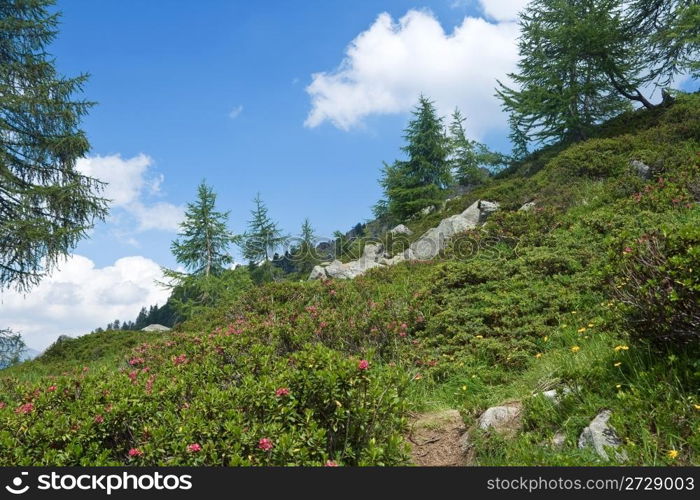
(596, 289)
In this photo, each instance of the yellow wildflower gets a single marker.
(697, 407)
(464, 387)
(539, 355)
(618, 386)
(672, 454)
(621, 348)
(590, 325)
(575, 348)
(581, 330)
(546, 338)
(617, 364)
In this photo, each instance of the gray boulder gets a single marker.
(506, 420)
(318, 273)
(527, 206)
(401, 229)
(433, 241)
(600, 436)
(643, 170)
(155, 328)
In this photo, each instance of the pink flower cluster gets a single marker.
(136, 361)
(180, 360)
(51, 388)
(265, 444)
(135, 452)
(282, 391)
(194, 448)
(363, 365)
(24, 409)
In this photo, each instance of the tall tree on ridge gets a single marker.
(202, 246)
(263, 235)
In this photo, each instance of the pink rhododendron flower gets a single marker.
(282, 391)
(265, 444)
(133, 375)
(51, 388)
(331, 463)
(363, 364)
(136, 361)
(99, 419)
(179, 360)
(25, 408)
(135, 452)
(194, 448)
(2, 405)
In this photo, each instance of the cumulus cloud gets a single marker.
(503, 10)
(129, 184)
(387, 66)
(79, 297)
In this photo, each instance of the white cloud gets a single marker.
(503, 10)
(387, 66)
(233, 114)
(129, 183)
(79, 297)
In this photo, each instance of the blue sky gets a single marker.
(167, 76)
(301, 101)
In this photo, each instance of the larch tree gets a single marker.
(421, 179)
(46, 204)
(204, 238)
(577, 68)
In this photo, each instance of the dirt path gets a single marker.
(435, 439)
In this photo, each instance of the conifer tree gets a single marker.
(305, 254)
(204, 237)
(576, 68)
(263, 235)
(419, 181)
(471, 161)
(46, 204)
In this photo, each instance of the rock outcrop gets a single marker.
(505, 420)
(643, 170)
(401, 229)
(599, 435)
(155, 328)
(427, 247)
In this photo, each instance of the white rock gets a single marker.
(527, 206)
(155, 328)
(599, 435)
(317, 273)
(401, 229)
(502, 419)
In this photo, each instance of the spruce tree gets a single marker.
(419, 181)
(11, 348)
(576, 68)
(46, 205)
(204, 237)
(263, 235)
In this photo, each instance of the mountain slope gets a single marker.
(328, 372)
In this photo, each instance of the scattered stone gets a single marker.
(318, 273)
(401, 229)
(642, 169)
(527, 206)
(155, 328)
(505, 420)
(599, 435)
(558, 440)
(556, 395)
(427, 210)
